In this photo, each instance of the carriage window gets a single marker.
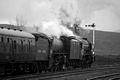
(11, 45)
(21, 45)
(24, 42)
(19, 41)
(2, 39)
(14, 44)
(28, 45)
(8, 40)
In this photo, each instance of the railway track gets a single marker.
(116, 78)
(52, 75)
(107, 77)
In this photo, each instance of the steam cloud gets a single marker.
(54, 28)
(50, 14)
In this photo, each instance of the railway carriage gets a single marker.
(17, 50)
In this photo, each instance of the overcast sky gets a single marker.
(104, 13)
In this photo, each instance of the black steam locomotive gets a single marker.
(22, 52)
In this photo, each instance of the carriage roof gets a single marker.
(16, 33)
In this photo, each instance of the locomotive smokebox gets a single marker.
(57, 44)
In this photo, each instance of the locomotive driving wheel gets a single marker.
(34, 67)
(20, 68)
(26, 67)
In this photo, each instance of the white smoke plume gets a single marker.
(49, 15)
(68, 11)
(54, 28)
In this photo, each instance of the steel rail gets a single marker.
(104, 76)
(117, 78)
(61, 74)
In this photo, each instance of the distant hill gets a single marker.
(106, 43)
(117, 31)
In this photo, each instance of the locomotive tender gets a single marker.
(22, 52)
